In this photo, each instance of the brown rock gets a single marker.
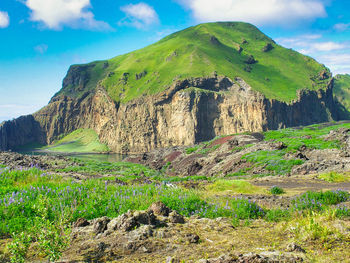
(81, 222)
(175, 217)
(159, 208)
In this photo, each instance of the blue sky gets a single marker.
(40, 39)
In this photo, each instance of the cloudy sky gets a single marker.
(41, 38)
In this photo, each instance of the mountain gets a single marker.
(342, 90)
(204, 81)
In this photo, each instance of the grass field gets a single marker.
(38, 208)
(81, 140)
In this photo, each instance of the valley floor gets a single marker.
(274, 197)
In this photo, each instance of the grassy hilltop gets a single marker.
(231, 49)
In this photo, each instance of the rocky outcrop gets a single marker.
(190, 111)
(21, 131)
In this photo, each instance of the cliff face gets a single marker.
(188, 112)
(21, 131)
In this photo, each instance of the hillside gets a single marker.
(230, 49)
(196, 84)
(342, 90)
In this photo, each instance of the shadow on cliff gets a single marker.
(19, 132)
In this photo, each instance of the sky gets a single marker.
(40, 39)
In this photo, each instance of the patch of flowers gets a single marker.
(319, 200)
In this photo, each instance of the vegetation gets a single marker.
(292, 140)
(234, 186)
(273, 161)
(275, 190)
(227, 48)
(342, 90)
(334, 177)
(320, 200)
(37, 208)
(81, 140)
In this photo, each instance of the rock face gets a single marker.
(188, 112)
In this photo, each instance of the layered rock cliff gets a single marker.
(189, 111)
(190, 86)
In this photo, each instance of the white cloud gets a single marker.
(310, 44)
(339, 62)
(341, 27)
(4, 19)
(56, 13)
(335, 55)
(139, 15)
(327, 46)
(42, 48)
(258, 12)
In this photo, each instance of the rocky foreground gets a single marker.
(162, 235)
(239, 170)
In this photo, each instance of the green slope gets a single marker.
(342, 90)
(81, 140)
(225, 48)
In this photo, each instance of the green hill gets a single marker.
(231, 49)
(81, 140)
(342, 90)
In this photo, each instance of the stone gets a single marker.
(175, 217)
(268, 47)
(100, 224)
(293, 247)
(132, 220)
(159, 208)
(192, 238)
(81, 222)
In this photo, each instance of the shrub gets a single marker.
(192, 149)
(275, 190)
(19, 246)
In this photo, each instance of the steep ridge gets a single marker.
(205, 81)
(342, 93)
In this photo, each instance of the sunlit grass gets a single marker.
(234, 186)
(334, 177)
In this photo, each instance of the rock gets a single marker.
(159, 208)
(324, 74)
(100, 224)
(194, 168)
(140, 75)
(293, 247)
(250, 60)
(169, 110)
(144, 249)
(132, 220)
(268, 47)
(172, 260)
(214, 40)
(81, 222)
(175, 217)
(101, 247)
(141, 233)
(280, 146)
(192, 238)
